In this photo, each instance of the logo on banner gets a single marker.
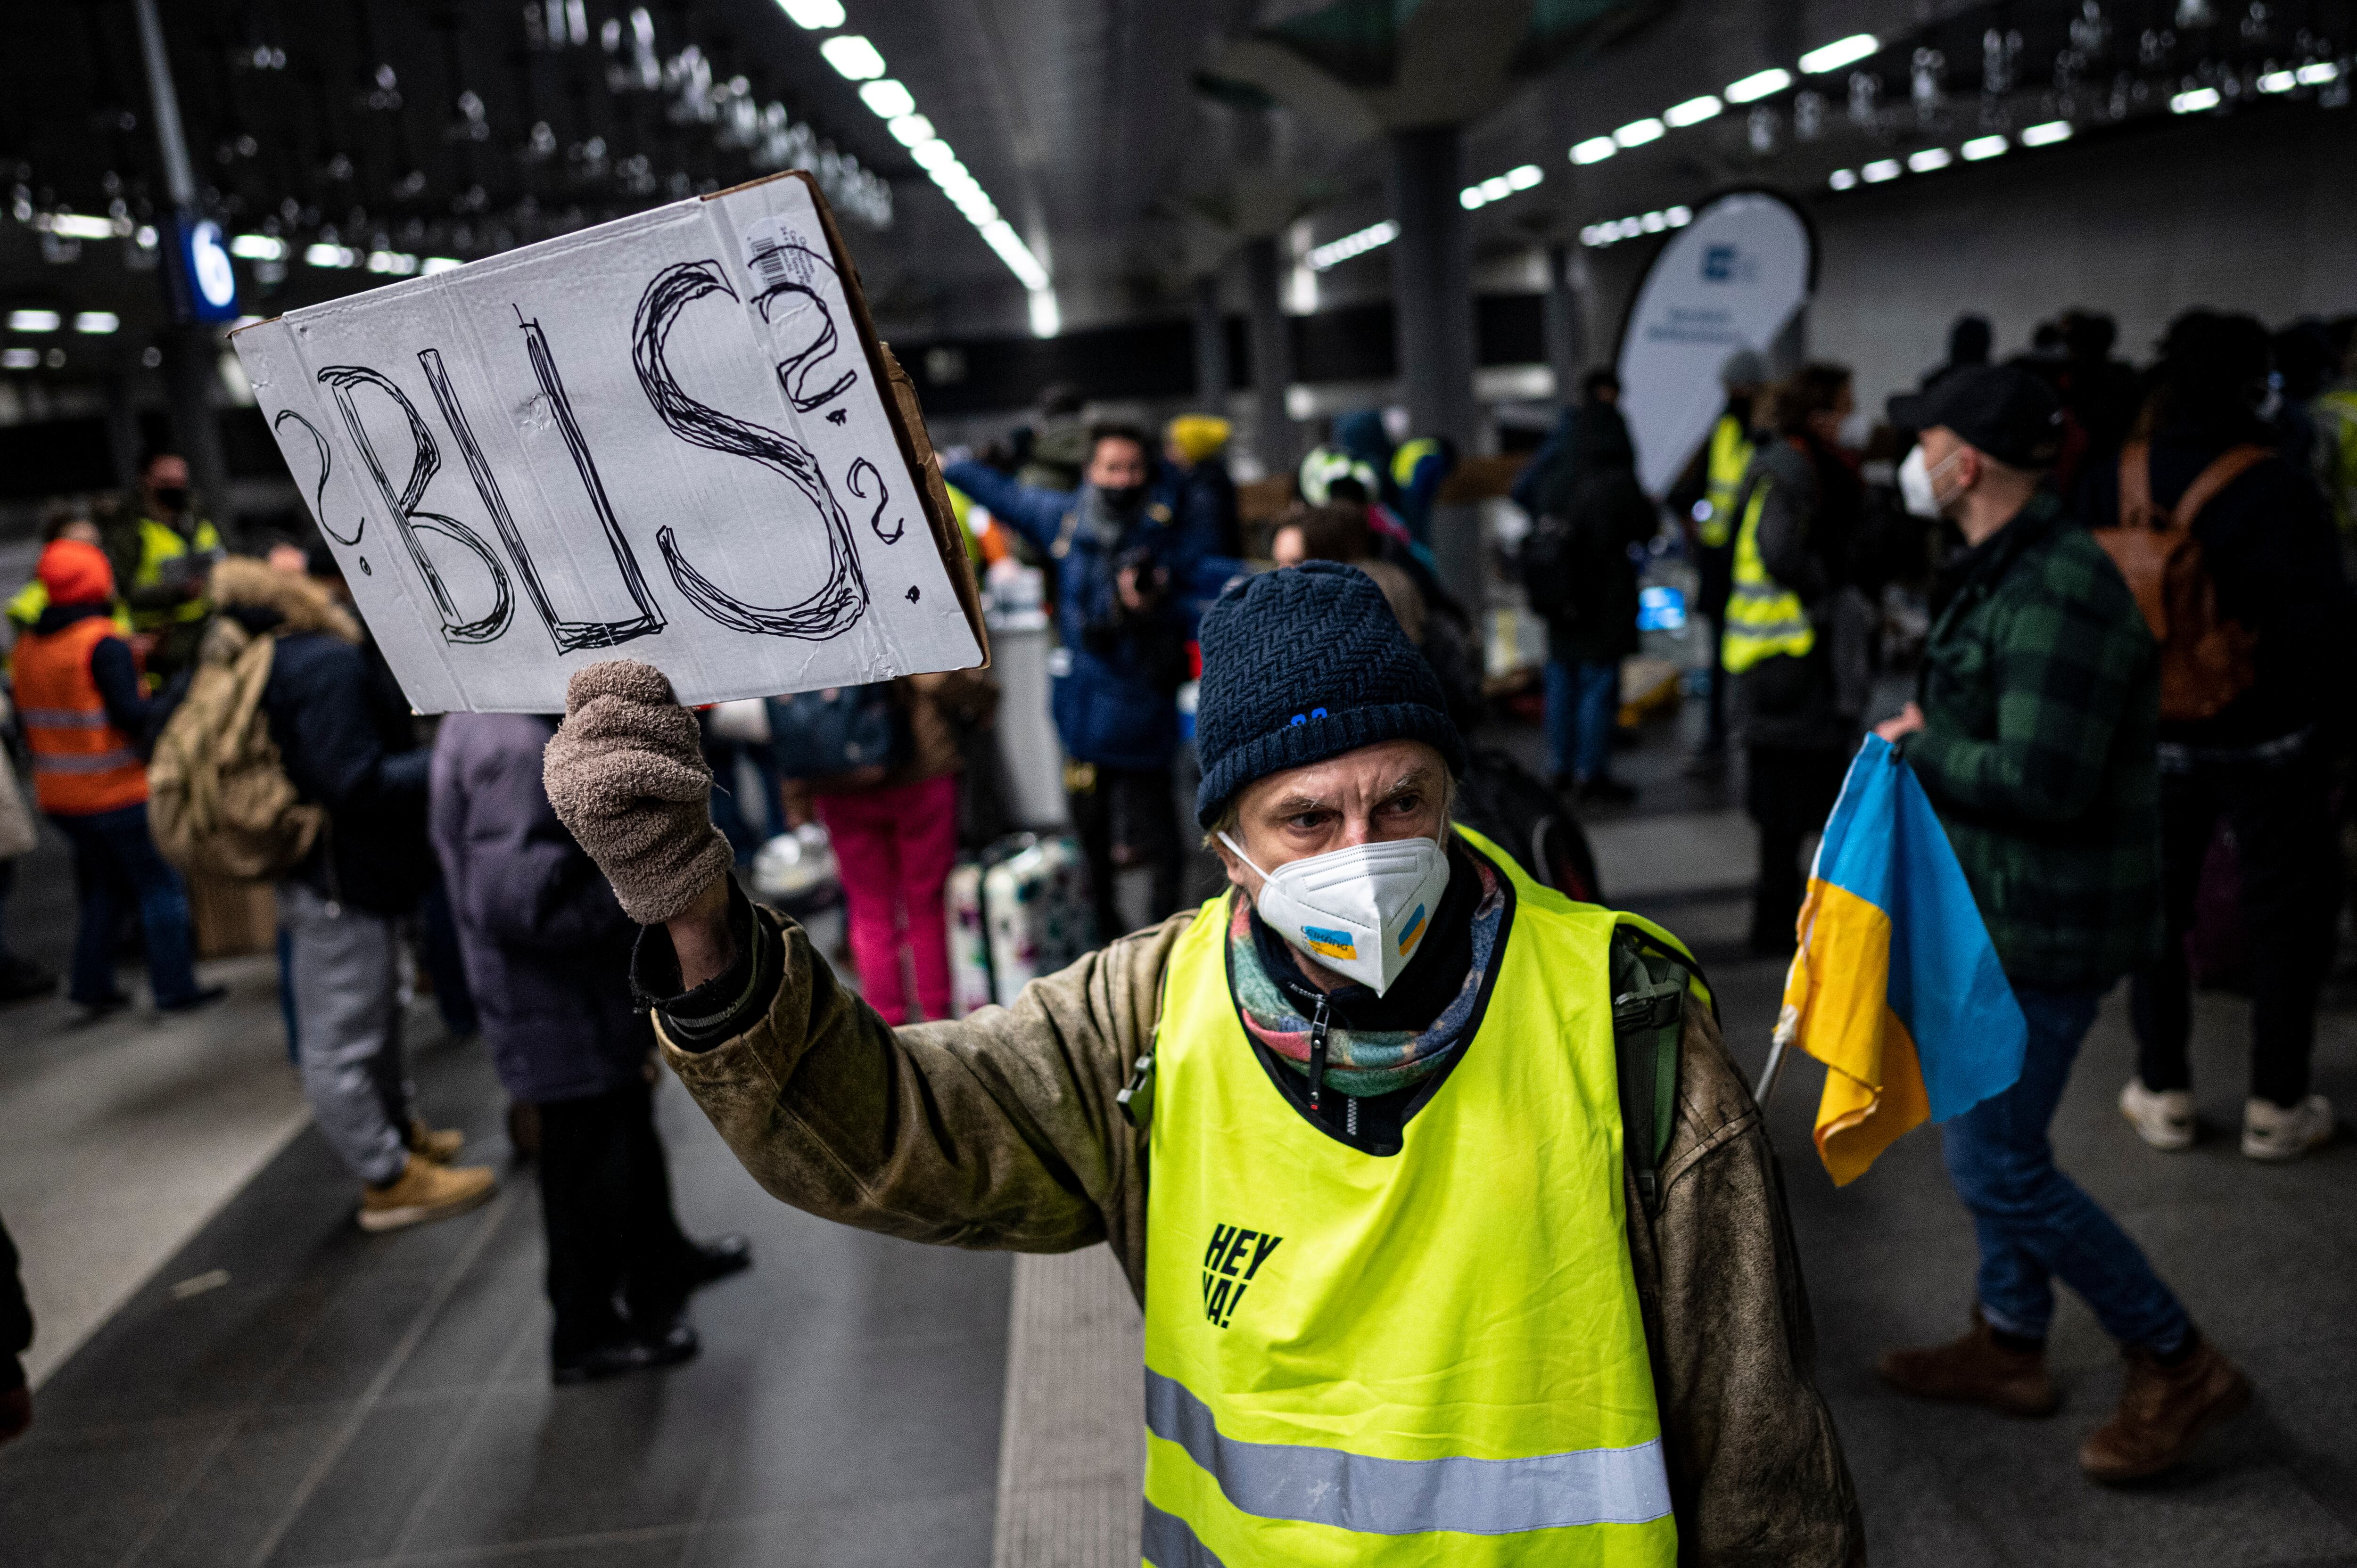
(1727, 263)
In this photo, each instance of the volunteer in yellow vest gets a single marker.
(171, 558)
(1708, 497)
(1416, 1289)
(26, 604)
(77, 697)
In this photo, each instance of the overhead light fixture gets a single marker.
(1843, 180)
(1981, 147)
(1637, 132)
(1679, 217)
(1357, 243)
(258, 247)
(1759, 84)
(1594, 150)
(1879, 170)
(34, 321)
(935, 153)
(887, 99)
(1654, 222)
(96, 323)
(78, 226)
(20, 359)
(394, 263)
(911, 129)
(815, 15)
(1839, 53)
(2277, 81)
(852, 56)
(2317, 75)
(1001, 237)
(2047, 133)
(1521, 177)
(1047, 319)
(1929, 159)
(1693, 112)
(2194, 101)
(432, 265)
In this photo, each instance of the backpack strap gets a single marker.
(2223, 470)
(1648, 993)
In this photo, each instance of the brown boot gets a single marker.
(2163, 1411)
(423, 1192)
(1974, 1370)
(435, 1146)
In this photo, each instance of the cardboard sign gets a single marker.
(672, 437)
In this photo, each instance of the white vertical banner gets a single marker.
(1733, 278)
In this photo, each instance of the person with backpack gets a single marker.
(1579, 576)
(1421, 1171)
(348, 748)
(2231, 550)
(86, 719)
(2032, 735)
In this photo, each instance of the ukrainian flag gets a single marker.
(1895, 986)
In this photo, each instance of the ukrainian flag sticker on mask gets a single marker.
(1327, 942)
(1415, 929)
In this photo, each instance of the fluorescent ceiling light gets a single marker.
(1525, 175)
(1679, 217)
(1839, 53)
(2317, 74)
(1981, 147)
(2277, 81)
(1047, 320)
(888, 98)
(1002, 238)
(935, 153)
(1637, 132)
(20, 359)
(34, 321)
(852, 56)
(1353, 244)
(911, 129)
(1929, 159)
(815, 15)
(1759, 84)
(81, 226)
(2195, 101)
(1470, 197)
(1594, 150)
(1654, 222)
(395, 263)
(432, 265)
(96, 323)
(2046, 134)
(1843, 178)
(1496, 188)
(331, 256)
(1693, 112)
(258, 247)
(1879, 170)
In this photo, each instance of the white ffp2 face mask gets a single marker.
(1360, 911)
(1917, 491)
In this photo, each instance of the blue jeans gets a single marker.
(115, 866)
(1582, 705)
(2037, 1225)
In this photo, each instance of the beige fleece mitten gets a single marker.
(628, 779)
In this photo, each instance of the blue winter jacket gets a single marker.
(1114, 692)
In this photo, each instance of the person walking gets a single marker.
(1120, 566)
(2260, 759)
(2032, 735)
(349, 745)
(86, 722)
(1794, 641)
(548, 950)
(1705, 501)
(895, 839)
(1359, 1116)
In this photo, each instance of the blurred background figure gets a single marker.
(21, 977)
(1552, 468)
(1196, 486)
(1357, 448)
(1052, 454)
(165, 553)
(1703, 503)
(87, 722)
(549, 949)
(16, 1337)
(1420, 465)
(1968, 345)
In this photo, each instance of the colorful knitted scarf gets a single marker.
(1362, 1062)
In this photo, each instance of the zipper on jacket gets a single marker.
(1318, 1054)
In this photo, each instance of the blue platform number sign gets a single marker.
(205, 267)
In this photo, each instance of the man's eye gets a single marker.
(1307, 822)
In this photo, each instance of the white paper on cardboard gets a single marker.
(660, 438)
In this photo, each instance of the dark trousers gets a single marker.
(2282, 822)
(1790, 793)
(617, 1260)
(1126, 817)
(1715, 565)
(116, 869)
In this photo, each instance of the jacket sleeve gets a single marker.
(997, 1131)
(1038, 515)
(335, 756)
(2065, 665)
(1757, 1475)
(116, 675)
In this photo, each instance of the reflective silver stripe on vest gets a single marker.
(63, 718)
(1167, 1542)
(1407, 1497)
(99, 762)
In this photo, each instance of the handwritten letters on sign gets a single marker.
(668, 436)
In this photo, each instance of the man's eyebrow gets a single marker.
(1292, 804)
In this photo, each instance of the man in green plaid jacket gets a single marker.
(2034, 736)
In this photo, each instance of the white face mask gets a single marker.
(1360, 911)
(1916, 487)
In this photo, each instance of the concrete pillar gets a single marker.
(1567, 317)
(122, 430)
(1274, 439)
(1432, 309)
(1211, 373)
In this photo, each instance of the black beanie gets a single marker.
(1305, 664)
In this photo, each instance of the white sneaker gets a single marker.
(2162, 1117)
(2272, 1133)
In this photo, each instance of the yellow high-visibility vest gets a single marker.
(1432, 1357)
(1730, 461)
(157, 544)
(1763, 616)
(2336, 419)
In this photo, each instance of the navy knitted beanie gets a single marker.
(1305, 664)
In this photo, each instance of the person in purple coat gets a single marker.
(547, 952)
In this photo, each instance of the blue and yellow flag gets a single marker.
(1895, 987)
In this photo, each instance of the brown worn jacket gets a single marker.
(1001, 1131)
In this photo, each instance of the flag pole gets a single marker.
(1773, 1071)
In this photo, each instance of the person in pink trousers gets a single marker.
(895, 839)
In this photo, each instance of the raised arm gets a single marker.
(1038, 515)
